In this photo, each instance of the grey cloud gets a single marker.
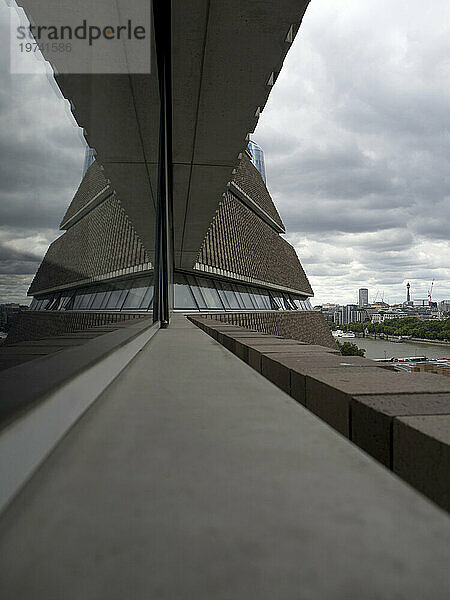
(13, 288)
(15, 262)
(41, 152)
(357, 149)
(315, 215)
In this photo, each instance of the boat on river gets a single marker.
(343, 334)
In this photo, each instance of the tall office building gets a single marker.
(363, 297)
(89, 157)
(257, 155)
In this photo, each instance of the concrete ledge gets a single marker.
(79, 376)
(309, 327)
(328, 392)
(360, 398)
(195, 477)
(257, 352)
(242, 344)
(421, 449)
(26, 383)
(284, 370)
(372, 419)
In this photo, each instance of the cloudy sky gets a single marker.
(41, 160)
(355, 141)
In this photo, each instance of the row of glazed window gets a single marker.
(190, 293)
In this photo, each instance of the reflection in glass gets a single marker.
(245, 297)
(147, 300)
(197, 293)
(53, 303)
(190, 293)
(277, 301)
(45, 303)
(261, 299)
(115, 300)
(287, 302)
(64, 302)
(210, 294)
(134, 298)
(183, 297)
(86, 301)
(97, 301)
(228, 296)
(105, 299)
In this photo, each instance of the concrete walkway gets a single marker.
(192, 477)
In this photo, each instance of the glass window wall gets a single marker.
(135, 298)
(228, 296)
(190, 294)
(183, 296)
(245, 297)
(116, 300)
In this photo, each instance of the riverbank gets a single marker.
(382, 348)
(389, 338)
(434, 342)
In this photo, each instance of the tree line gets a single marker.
(406, 326)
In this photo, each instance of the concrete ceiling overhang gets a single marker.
(226, 56)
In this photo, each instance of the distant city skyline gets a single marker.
(378, 295)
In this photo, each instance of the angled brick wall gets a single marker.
(306, 326)
(103, 241)
(249, 179)
(240, 242)
(92, 184)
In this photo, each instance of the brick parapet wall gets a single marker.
(305, 326)
(35, 325)
(401, 419)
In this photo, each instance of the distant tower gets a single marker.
(257, 158)
(363, 297)
(89, 158)
(408, 297)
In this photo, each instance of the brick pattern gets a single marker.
(401, 419)
(103, 241)
(306, 326)
(421, 448)
(240, 242)
(93, 182)
(36, 325)
(249, 179)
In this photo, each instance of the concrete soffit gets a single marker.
(226, 57)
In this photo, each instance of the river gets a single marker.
(385, 349)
